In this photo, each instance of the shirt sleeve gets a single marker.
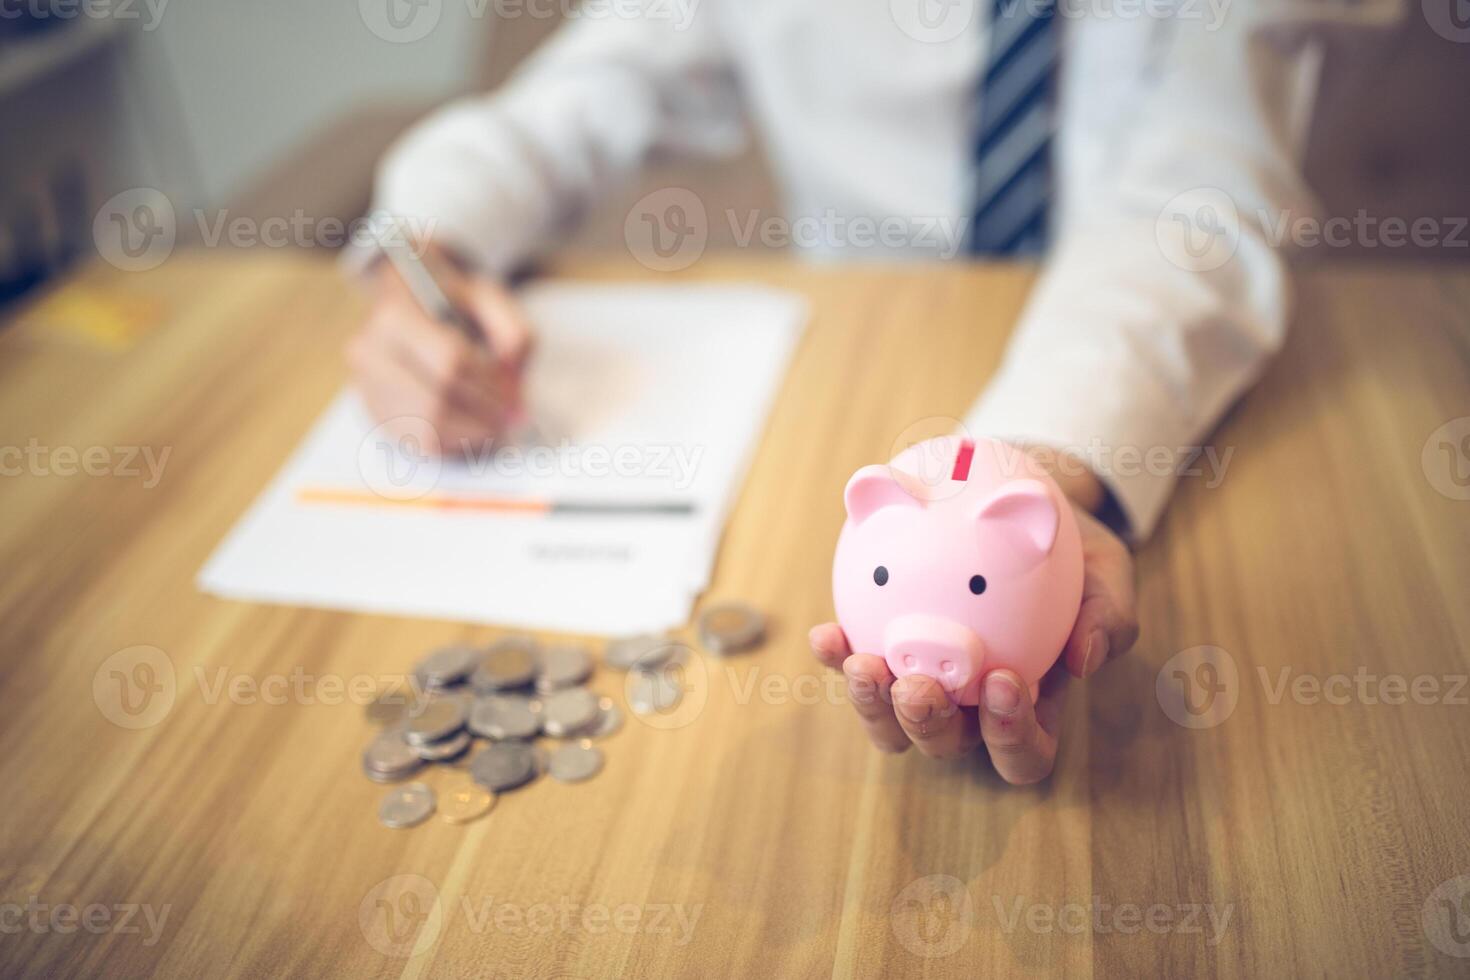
(498, 176)
(1167, 290)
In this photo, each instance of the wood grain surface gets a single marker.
(1299, 821)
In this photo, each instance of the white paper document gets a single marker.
(648, 402)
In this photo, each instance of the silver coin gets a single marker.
(389, 757)
(504, 766)
(652, 692)
(406, 806)
(439, 719)
(731, 627)
(444, 749)
(562, 666)
(502, 716)
(447, 666)
(391, 777)
(645, 651)
(390, 707)
(508, 664)
(575, 762)
(609, 719)
(568, 712)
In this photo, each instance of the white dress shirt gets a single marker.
(1137, 337)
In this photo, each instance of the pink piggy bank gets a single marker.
(972, 565)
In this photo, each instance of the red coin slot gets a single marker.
(962, 460)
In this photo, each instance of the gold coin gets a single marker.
(465, 802)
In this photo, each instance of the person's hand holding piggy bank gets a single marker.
(963, 573)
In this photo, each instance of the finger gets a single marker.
(503, 321)
(386, 283)
(464, 435)
(389, 388)
(1107, 623)
(490, 305)
(501, 317)
(1021, 749)
(829, 644)
(1051, 698)
(397, 396)
(441, 356)
(869, 686)
(444, 362)
(938, 726)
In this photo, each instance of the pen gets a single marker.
(425, 288)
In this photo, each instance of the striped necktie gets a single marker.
(1013, 142)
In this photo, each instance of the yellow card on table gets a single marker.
(109, 319)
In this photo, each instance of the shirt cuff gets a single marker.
(1121, 427)
(363, 250)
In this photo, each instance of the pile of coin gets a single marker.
(512, 694)
(509, 695)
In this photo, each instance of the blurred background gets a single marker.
(271, 107)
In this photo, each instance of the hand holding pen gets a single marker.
(441, 355)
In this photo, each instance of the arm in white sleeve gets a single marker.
(497, 177)
(1167, 292)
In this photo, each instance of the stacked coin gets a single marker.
(389, 758)
(731, 627)
(514, 692)
(655, 666)
(509, 695)
(647, 651)
(447, 666)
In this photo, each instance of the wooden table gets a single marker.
(1290, 836)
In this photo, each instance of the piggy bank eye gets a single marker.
(880, 575)
(977, 584)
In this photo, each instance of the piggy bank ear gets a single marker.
(1027, 507)
(871, 489)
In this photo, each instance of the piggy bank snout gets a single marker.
(940, 648)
